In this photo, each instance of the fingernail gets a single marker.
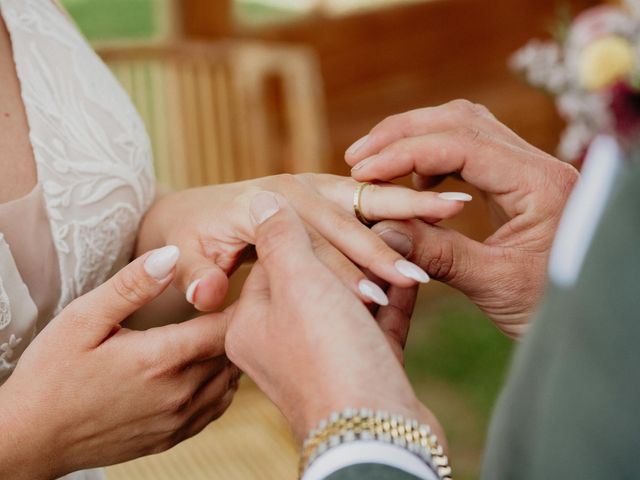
(264, 206)
(363, 163)
(455, 196)
(353, 149)
(191, 291)
(373, 292)
(160, 263)
(412, 271)
(400, 242)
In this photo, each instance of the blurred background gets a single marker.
(233, 89)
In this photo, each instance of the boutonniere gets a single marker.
(592, 69)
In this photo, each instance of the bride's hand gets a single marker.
(87, 393)
(210, 225)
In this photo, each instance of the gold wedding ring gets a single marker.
(357, 204)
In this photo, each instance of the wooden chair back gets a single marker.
(226, 111)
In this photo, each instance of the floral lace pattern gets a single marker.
(6, 353)
(92, 152)
(5, 308)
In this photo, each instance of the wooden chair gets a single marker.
(226, 111)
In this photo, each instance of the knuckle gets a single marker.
(399, 121)
(308, 179)
(568, 176)
(131, 288)
(179, 401)
(469, 109)
(285, 180)
(438, 261)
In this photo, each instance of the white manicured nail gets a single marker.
(191, 291)
(412, 271)
(353, 149)
(160, 263)
(373, 292)
(455, 196)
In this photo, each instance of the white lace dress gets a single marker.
(95, 178)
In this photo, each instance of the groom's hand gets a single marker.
(526, 190)
(307, 340)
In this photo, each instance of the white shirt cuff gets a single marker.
(359, 452)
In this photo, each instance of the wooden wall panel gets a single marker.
(391, 60)
(395, 59)
(204, 18)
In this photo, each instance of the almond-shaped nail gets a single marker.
(191, 291)
(373, 292)
(160, 263)
(412, 271)
(264, 206)
(455, 196)
(353, 149)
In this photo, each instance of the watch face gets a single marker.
(584, 211)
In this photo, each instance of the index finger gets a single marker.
(484, 161)
(423, 121)
(192, 341)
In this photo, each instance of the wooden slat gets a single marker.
(212, 118)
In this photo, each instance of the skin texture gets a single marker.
(105, 394)
(213, 242)
(215, 239)
(16, 162)
(328, 341)
(526, 190)
(61, 400)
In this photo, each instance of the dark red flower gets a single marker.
(625, 110)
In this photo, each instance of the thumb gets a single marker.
(101, 310)
(282, 243)
(204, 282)
(446, 255)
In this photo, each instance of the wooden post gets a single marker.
(204, 18)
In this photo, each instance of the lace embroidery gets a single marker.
(99, 243)
(90, 145)
(5, 308)
(7, 353)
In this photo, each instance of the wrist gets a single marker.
(155, 226)
(406, 405)
(366, 425)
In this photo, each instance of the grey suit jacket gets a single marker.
(571, 406)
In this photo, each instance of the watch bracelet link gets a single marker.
(366, 425)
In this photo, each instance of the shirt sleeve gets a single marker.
(354, 453)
